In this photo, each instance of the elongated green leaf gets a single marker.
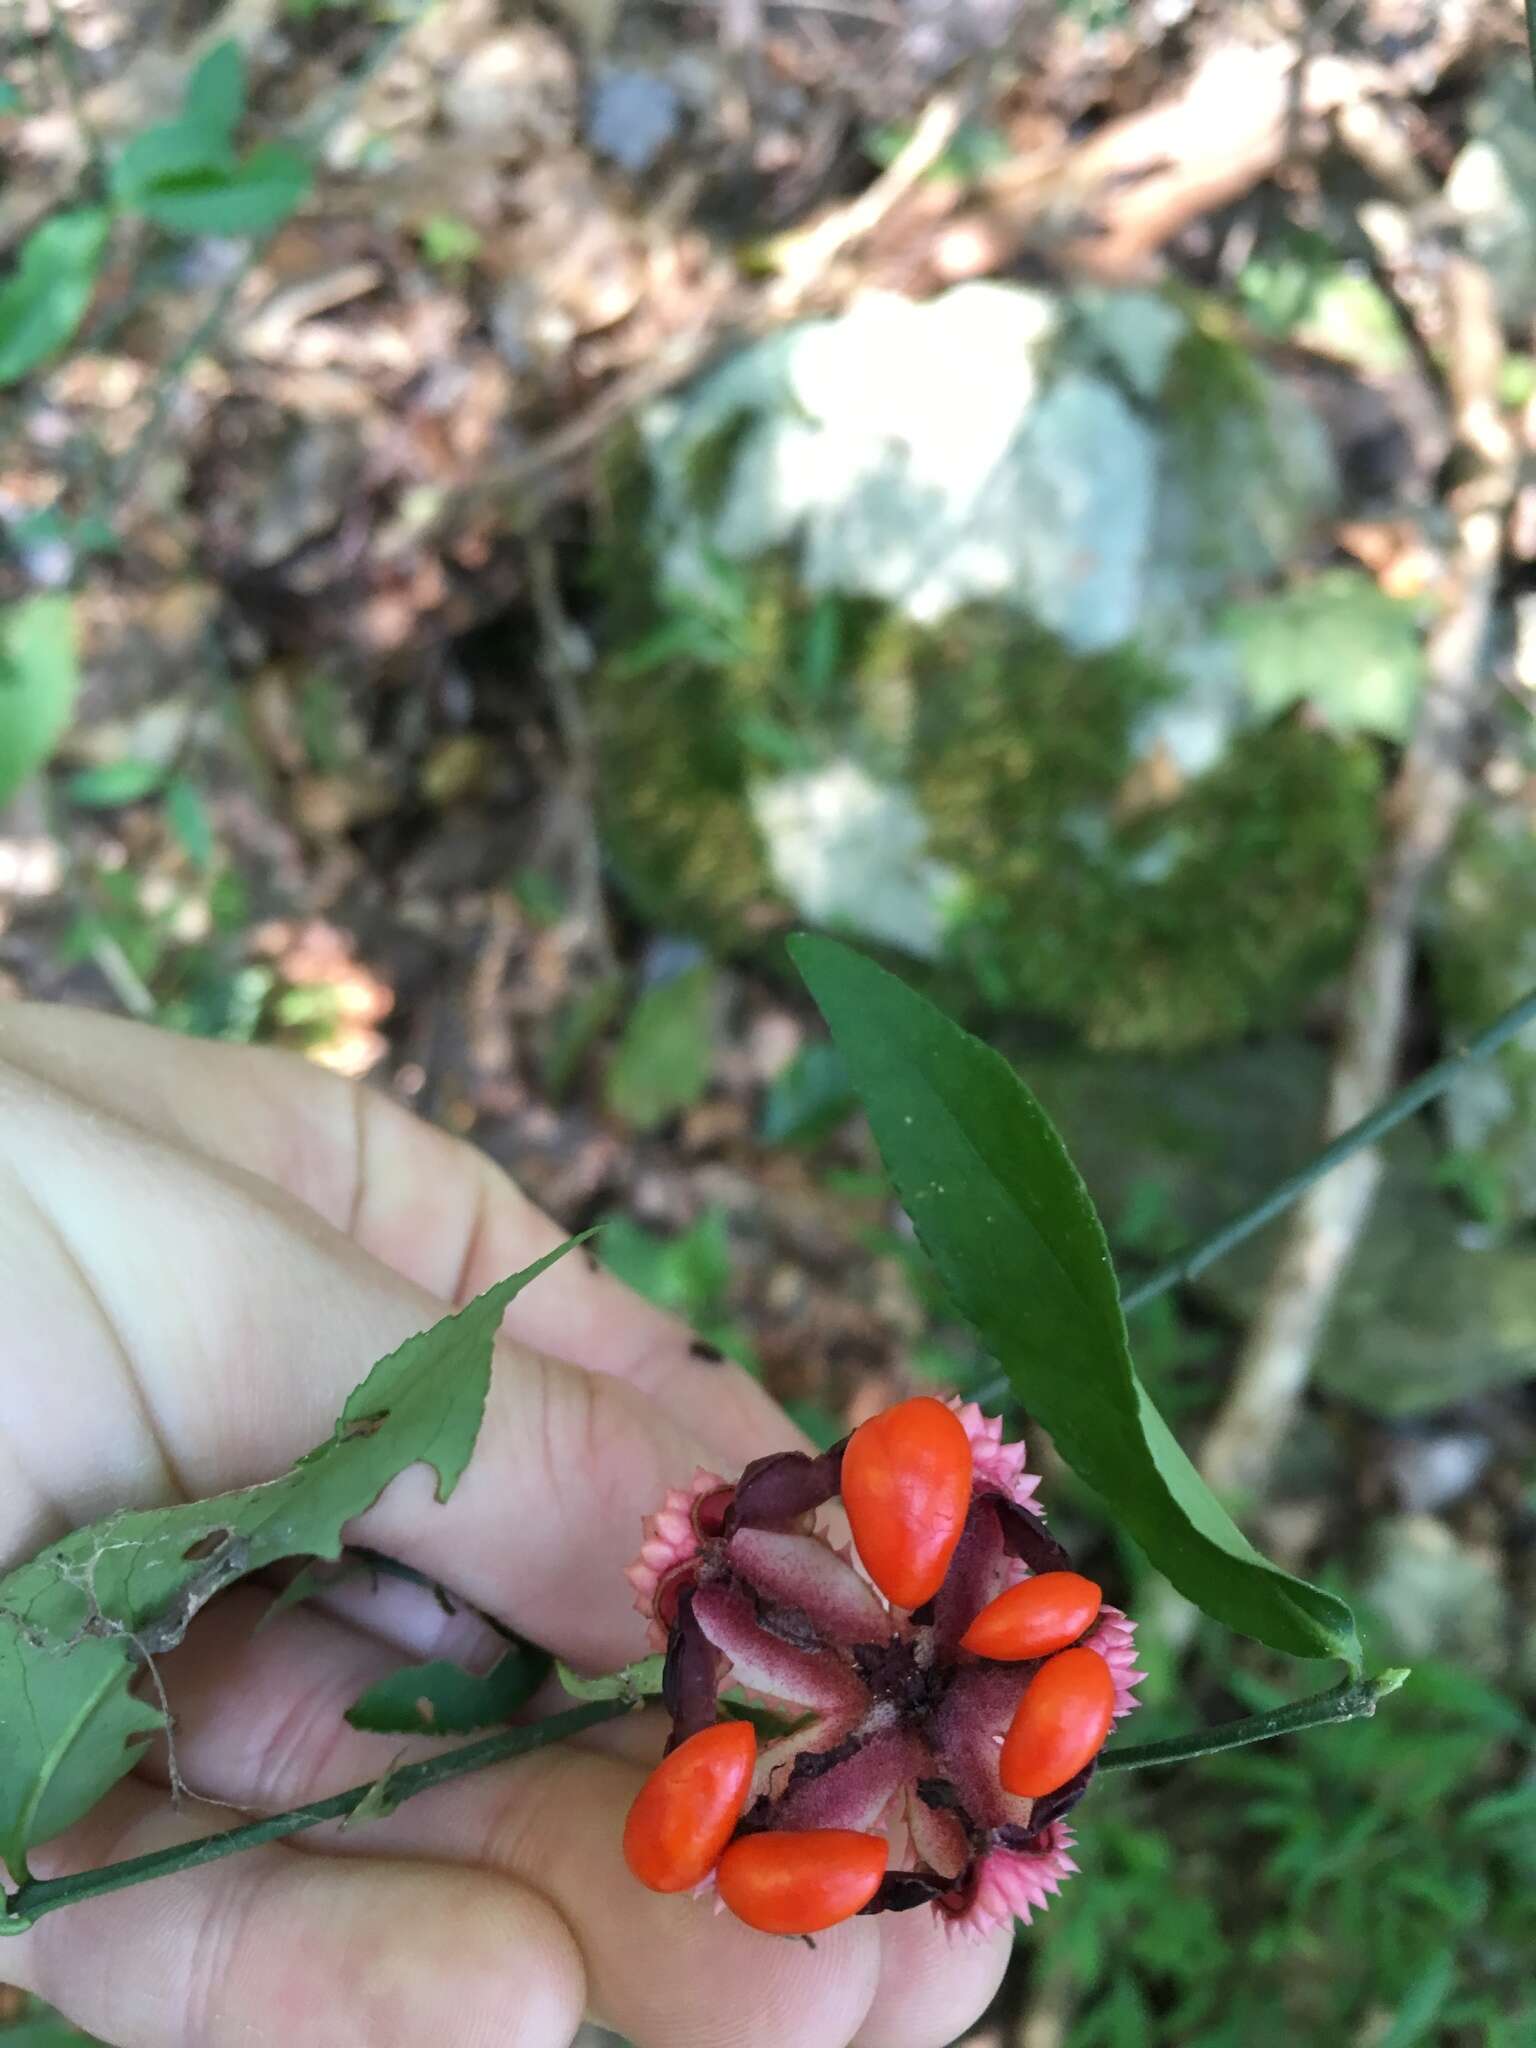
(38, 682)
(44, 301)
(1008, 1224)
(77, 1622)
(442, 1698)
(171, 152)
(215, 96)
(663, 1061)
(128, 781)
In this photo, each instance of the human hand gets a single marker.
(202, 1249)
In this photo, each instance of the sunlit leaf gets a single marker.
(45, 299)
(1010, 1228)
(77, 1622)
(663, 1061)
(39, 677)
(128, 781)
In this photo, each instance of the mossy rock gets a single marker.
(917, 623)
(1030, 843)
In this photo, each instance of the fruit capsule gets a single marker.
(1034, 1618)
(688, 1806)
(799, 1883)
(1059, 1725)
(907, 1490)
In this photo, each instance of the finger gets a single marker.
(434, 1208)
(933, 1986)
(174, 1329)
(260, 1721)
(275, 1950)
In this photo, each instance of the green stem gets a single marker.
(1432, 1082)
(34, 1897)
(1354, 1700)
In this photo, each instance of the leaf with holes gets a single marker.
(81, 1622)
(999, 1208)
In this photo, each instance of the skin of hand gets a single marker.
(203, 1248)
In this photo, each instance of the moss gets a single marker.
(1146, 918)
(1149, 921)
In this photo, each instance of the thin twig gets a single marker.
(1355, 1700)
(563, 656)
(804, 257)
(34, 1897)
(1192, 1262)
(1424, 807)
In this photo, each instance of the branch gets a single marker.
(1423, 810)
(1355, 1700)
(36, 1896)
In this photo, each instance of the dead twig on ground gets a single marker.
(804, 257)
(564, 656)
(1424, 806)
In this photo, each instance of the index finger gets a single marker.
(435, 1209)
(176, 1329)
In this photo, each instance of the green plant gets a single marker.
(185, 176)
(1387, 1884)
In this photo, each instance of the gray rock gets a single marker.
(1032, 473)
(1436, 1470)
(631, 116)
(1435, 1596)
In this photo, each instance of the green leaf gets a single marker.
(10, 98)
(639, 1681)
(442, 1698)
(42, 2028)
(128, 781)
(663, 1061)
(809, 1099)
(245, 199)
(215, 95)
(45, 299)
(381, 1798)
(1339, 643)
(187, 815)
(1009, 1226)
(170, 153)
(447, 240)
(77, 1622)
(39, 678)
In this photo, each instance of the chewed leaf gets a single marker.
(641, 1681)
(441, 1698)
(80, 1621)
(1001, 1211)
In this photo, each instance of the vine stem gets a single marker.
(1354, 1700)
(34, 1897)
(1432, 1082)
(1397, 1109)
